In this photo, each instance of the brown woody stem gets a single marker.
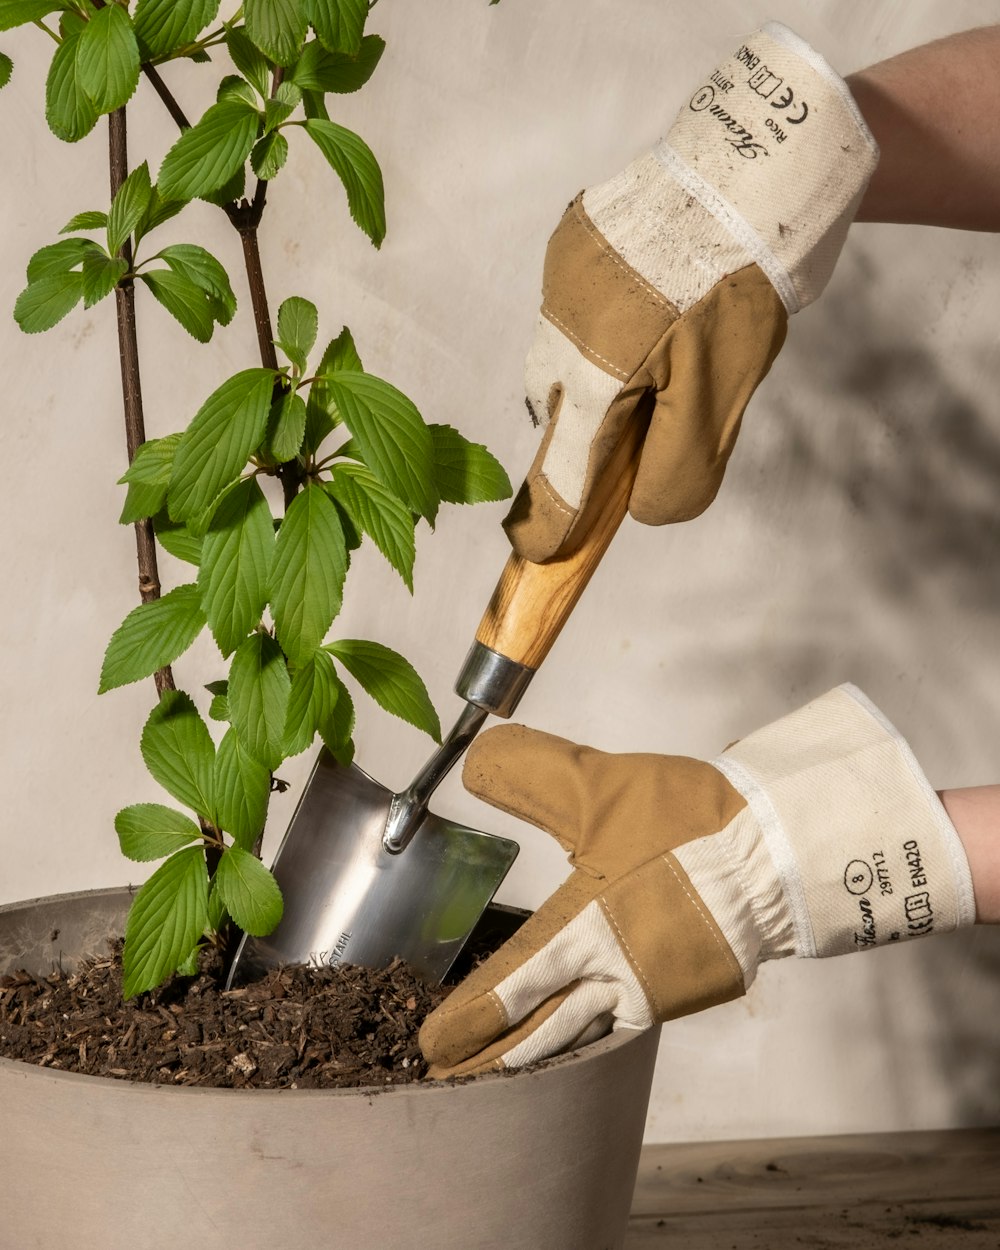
(128, 348)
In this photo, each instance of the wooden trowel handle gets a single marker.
(532, 602)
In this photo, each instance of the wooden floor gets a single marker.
(924, 1191)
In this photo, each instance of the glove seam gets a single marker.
(723, 946)
(617, 259)
(609, 914)
(588, 351)
(554, 497)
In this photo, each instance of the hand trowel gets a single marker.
(367, 874)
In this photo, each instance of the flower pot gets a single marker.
(540, 1160)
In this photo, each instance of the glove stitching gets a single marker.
(633, 274)
(544, 483)
(727, 954)
(612, 368)
(650, 996)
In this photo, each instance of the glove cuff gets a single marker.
(861, 845)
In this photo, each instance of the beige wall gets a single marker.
(856, 535)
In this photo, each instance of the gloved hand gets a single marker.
(815, 836)
(668, 288)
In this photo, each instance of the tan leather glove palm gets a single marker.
(817, 835)
(666, 289)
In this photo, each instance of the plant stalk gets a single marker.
(128, 350)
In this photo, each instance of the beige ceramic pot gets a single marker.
(543, 1160)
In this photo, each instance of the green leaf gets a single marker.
(68, 109)
(269, 155)
(165, 921)
(147, 477)
(175, 537)
(108, 58)
(337, 730)
(178, 751)
(230, 191)
(151, 831)
(201, 268)
(249, 60)
(379, 514)
(391, 681)
(152, 636)
(249, 891)
(43, 304)
(286, 426)
(164, 26)
(159, 211)
(312, 702)
(217, 444)
(358, 170)
(466, 472)
(129, 206)
(339, 24)
(60, 258)
(219, 708)
(320, 70)
(101, 274)
(277, 110)
(20, 12)
(184, 300)
(277, 27)
(298, 323)
(259, 686)
(233, 87)
(217, 913)
(85, 221)
(236, 558)
(6, 69)
(242, 789)
(208, 155)
(307, 579)
(396, 444)
(322, 414)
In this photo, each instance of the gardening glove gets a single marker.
(666, 290)
(815, 836)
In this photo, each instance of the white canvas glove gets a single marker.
(667, 289)
(817, 835)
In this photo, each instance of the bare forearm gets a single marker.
(975, 813)
(935, 112)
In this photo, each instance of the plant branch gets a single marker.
(165, 94)
(128, 349)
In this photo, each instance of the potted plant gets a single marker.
(272, 484)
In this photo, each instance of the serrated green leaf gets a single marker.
(59, 258)
(357, 169)
(339, 24)
(259, 686)
(165, 921)
(159, 211)
(208, 155)
(307, 579)
(101, 274)
(466, 472)
(20, 12)
(269, 155)
(337, 730)
(249, 60)
(298, 323)
(147, 478)
(217, 444)
(396, 444)
(150, 831)
(314, 105)
(286, 427)
(164, 26)
(230, 191)
(236, 556)
(242, 790)
(129, 207)
(44, 303)
(85, 221)
(278, 110)
(183, 299)
(233, 87)
(201, 268)
(108, 58)
(6, 69)
(391, 681)
(69, 111)
(312, 702)
(178, 751)
(175, 537)
(217, 914)
(318, 69)
(152, 635)
(142, 501)
(249, 891)
(277, 27)
(379, 514)
(322, 414)
(219, 708)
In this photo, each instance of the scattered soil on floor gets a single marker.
(297, 1028)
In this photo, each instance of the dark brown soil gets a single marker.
(297, 1028)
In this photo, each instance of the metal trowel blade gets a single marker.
(348, 900)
